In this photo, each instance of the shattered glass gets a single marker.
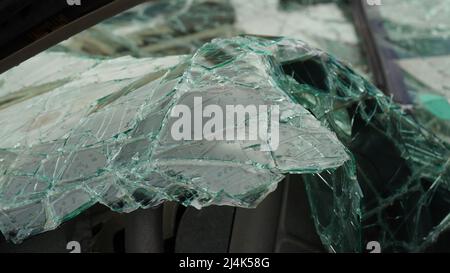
(79, 128)
(403, 169)
(420, 39)
(174, 27)
(66, 151)
(156, 28)
(377, 176)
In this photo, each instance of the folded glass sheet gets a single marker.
(78, 129)
(103, 132)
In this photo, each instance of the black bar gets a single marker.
(221, 262)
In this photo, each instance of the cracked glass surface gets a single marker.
(172, 27)
(402, 169)
(372, 173)
(101, 132)
(420, 39)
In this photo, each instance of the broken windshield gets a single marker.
(145, 108)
